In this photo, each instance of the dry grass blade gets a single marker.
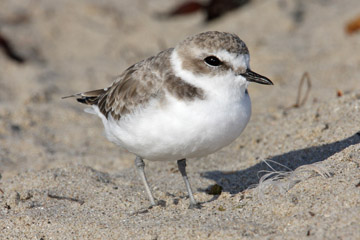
(301, 100)
(304, 77)
(283, 181)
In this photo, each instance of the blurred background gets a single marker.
(50, 49)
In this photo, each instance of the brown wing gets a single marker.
(133, 88)
(137, 85)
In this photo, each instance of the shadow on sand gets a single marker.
(237, 181)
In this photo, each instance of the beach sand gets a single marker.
(61, 178)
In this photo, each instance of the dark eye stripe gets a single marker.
(212, 61)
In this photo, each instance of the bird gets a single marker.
(185, 102)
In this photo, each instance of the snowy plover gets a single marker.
(185, 102)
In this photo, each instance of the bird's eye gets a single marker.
(213, 61)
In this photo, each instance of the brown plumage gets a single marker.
(137, 85)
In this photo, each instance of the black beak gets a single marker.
(254, 77)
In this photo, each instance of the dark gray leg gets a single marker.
(140, 165)
(182, 165)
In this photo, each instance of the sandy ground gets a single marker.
(61, 179)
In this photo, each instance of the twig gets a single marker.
(9, 50)
(81, 202)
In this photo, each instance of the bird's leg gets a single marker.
(182, 165)
(140, 165)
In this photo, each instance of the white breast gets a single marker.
(181, 129)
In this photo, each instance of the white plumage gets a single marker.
(180, 129)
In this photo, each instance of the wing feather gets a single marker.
(137, 85)
(134, 88)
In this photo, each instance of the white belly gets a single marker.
(181, 129)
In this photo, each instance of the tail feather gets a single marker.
(89, 98)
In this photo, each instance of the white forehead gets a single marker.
(236, 60)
